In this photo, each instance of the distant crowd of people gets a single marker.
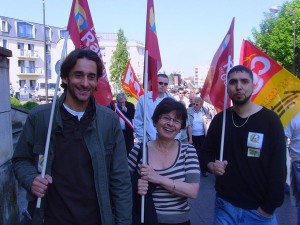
(97, 172)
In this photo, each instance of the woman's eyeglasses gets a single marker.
(162, 83)
(168, 119)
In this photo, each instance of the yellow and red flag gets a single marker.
(83, 35)
(154, 60)
(214, 86)
(130, 83)
(274, 87)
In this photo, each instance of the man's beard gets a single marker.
(241, 102)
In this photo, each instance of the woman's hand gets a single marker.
(149, 174)
(142, 187)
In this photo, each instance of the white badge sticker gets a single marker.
(40, 163)
(255, 140)
(253, 152)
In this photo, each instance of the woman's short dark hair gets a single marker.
(71, 60)
(168, 105)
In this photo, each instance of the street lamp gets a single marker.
(276, 9)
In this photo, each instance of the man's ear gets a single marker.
(65, 80)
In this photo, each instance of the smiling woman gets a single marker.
(171, 174)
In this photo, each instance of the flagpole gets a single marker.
(45, 53)
(224, 111)
(144, 130)
(63, 53)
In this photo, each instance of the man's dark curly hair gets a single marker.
(71, 60)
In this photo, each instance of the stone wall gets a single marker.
(9, 213)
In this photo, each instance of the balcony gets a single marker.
(28, 54)
(35, 71)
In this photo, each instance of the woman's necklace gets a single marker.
(234, 122)
(157, 147)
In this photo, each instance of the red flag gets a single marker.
(130, 83)
(274, 86)
(154, 61)
(83, 35)
(214, 87)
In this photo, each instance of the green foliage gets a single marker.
(26, 105)
(275, 36)
(29, 105)
(14, 101)
(119, 61)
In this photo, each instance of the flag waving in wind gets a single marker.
(130, 83)
(154, 60)
(214, 87)
(83, 35)
(274, 87)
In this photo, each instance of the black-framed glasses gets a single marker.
(168, 119)
(162, 83)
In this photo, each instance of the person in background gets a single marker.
(11, 90)
(138, 124)
(198, 117)
(125, 111)
(87, 179)
(180, 97)
(292, 132)
(251, 176)
(192, 97)
(172, 168)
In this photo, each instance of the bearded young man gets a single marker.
(250, 180)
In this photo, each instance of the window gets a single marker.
(4, 43)
(4, 26)
(22, 83)
(31, 47)
(21, 47)
(32, 84)
(31, 67)
(21, 64)
(25, 29)
(63, 33)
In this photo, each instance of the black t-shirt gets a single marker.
(256, 156)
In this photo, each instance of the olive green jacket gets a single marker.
(105, 142)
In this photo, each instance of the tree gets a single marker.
(276, 35)
(119, 61)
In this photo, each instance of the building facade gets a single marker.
(35, 57)
(200, 74)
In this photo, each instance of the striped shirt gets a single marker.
(171, 208)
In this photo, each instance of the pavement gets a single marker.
(202, 208)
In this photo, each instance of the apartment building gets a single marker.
(200, 74)
(35, 57)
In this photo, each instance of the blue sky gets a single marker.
(189, 31)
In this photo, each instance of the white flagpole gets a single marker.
(224, 111)
(144, 130)
(63, 54)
